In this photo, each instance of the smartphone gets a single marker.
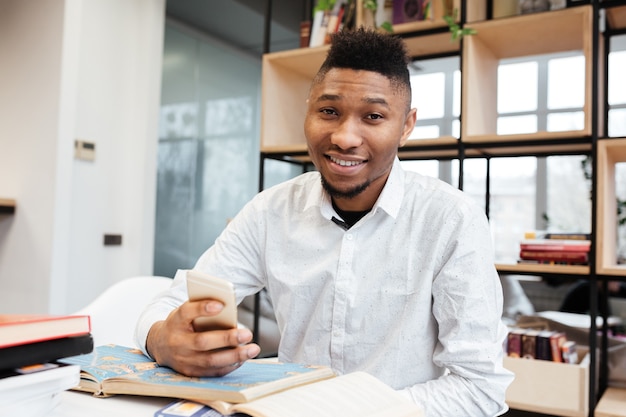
(202, 286)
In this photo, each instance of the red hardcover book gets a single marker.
(514, 343)
(19, 329)
(555, 245)
(557, 340)
(305, 33)
(555, 256)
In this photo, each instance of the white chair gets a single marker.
(115, 312)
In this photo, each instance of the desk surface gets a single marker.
(81, 404)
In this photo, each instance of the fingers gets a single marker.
(175, 344)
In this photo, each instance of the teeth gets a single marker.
(345, 163)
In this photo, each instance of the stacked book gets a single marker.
(563, 249)
(30, 346)
(548, 345)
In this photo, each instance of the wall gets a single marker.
(87, 69)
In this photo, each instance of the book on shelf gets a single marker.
(540, 344)
(555, 245)
(529, 344)
(569, 352)
(46, 351)
(357, 394)
(261, 387)
(572, 257)
(557, 235)
(36, 385)
(319, 27)
(514, 343)
(405, 11)
(19, 329)
(568, 236)
(305, 33)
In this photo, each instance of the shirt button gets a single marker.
(349, 236)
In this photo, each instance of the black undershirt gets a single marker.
(349, 217)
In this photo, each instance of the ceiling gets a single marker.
(241, 23)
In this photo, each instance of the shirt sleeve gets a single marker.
(234, 256)
(467, 304)
(159, 309)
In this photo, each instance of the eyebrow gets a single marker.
(367, 100)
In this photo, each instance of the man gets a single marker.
(368, 267)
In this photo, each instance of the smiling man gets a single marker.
(368, 267)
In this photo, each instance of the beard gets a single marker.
(349, 194)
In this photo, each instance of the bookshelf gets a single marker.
(287, 75)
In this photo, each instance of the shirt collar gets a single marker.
(390, 198)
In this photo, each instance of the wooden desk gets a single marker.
(81, 404)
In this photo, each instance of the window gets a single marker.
(534, 93)
(617, 87)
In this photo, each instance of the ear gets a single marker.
(409, 124)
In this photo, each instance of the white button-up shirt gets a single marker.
(409, 293)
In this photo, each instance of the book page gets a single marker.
(354, 395)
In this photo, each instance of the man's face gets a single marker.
(355, 123)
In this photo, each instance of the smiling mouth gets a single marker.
(345, 163)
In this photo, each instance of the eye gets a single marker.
(374, 116)
(328, 111)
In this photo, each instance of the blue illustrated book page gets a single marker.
(114, 369)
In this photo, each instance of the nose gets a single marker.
(347, 134)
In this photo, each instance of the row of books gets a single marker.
(548, 345)
(556, 248)
(331, 16)
(31, 378)
(326, 21)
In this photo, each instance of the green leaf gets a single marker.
(387, 27)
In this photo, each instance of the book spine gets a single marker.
(529, 345)
(514, 344)
(556, 342)
(316, 27)
(305, 33)
(543, 349)
(568, 236)
(554, 248)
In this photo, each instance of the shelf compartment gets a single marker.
(549, 387)
(7, 206)
(519, 36)
(610, 153)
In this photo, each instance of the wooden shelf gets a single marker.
(7, 206)
(612, 403)
(540, 143)
(532, 269)
(610, 153)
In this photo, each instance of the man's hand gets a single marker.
(175, 344)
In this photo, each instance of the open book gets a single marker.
(259, 388)
(114, 369)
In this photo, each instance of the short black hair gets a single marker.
(368, 50)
